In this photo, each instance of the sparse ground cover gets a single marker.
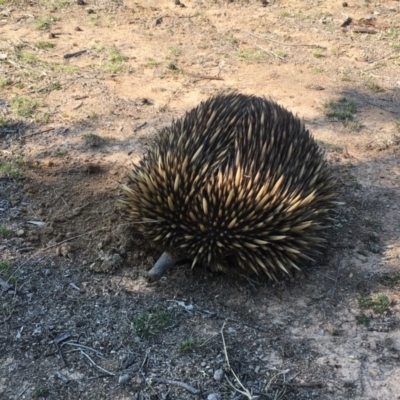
(83, 89)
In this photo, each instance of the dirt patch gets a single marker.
(79, 319)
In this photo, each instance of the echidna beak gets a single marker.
(163, 264)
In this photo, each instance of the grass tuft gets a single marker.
(24, 106)
(44, 23)
(148, 324)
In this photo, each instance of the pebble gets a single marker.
(46, 272)
(373, 373)
(20, 232)
(218, 374)
(212, 396)
(124, 378)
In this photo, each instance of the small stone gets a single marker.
(218, 375)
(212, 396)
(90, 11)
(20, 232)
(78, 29)
(373, 373)
(344, 4)
(46, 272)
(124, 378)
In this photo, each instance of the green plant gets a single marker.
(24, 106)
(379, 302)
(317, 70)
(4, 264)
(69, 69)
(342, 109)
(374, 87)
(280, 53)
(329, 146)
(187, 345)
(40, 392)
(114, 61)
(251, 55)
(317, 53)
(392, 280)
(392, 32)
(44, 23)
(176, 51)
(152, 63)
(5, 82)
(363, 319)
(41, 44)
(9, 169)
(94, 20)
(5, 232)
(28, 57)
(61, 153)
(365, 301)
(148, 324)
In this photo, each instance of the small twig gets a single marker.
(285, 44)
(61, 353)
(199, 76)
(245, 392)
(236, 321)
(82, 346)
(59, 196)
(75, 54)
(24, 390)
(37, 133)
(300, 385)
(364, 30)
(339, 261)
(97, 366)
(269, 52)
(184, 385)
(140, 126)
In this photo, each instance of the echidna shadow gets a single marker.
(237, 183)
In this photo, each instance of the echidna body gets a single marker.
(236, 182)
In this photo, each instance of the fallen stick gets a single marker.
(285, 44)
(199, 76)
(75, 54)
(184, 385)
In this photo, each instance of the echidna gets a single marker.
(236, 182)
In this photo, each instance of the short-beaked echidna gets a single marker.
(236, 182)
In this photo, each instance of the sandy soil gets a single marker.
(78, 318)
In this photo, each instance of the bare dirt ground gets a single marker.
(78, 318)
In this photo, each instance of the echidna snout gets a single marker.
(236, 183)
